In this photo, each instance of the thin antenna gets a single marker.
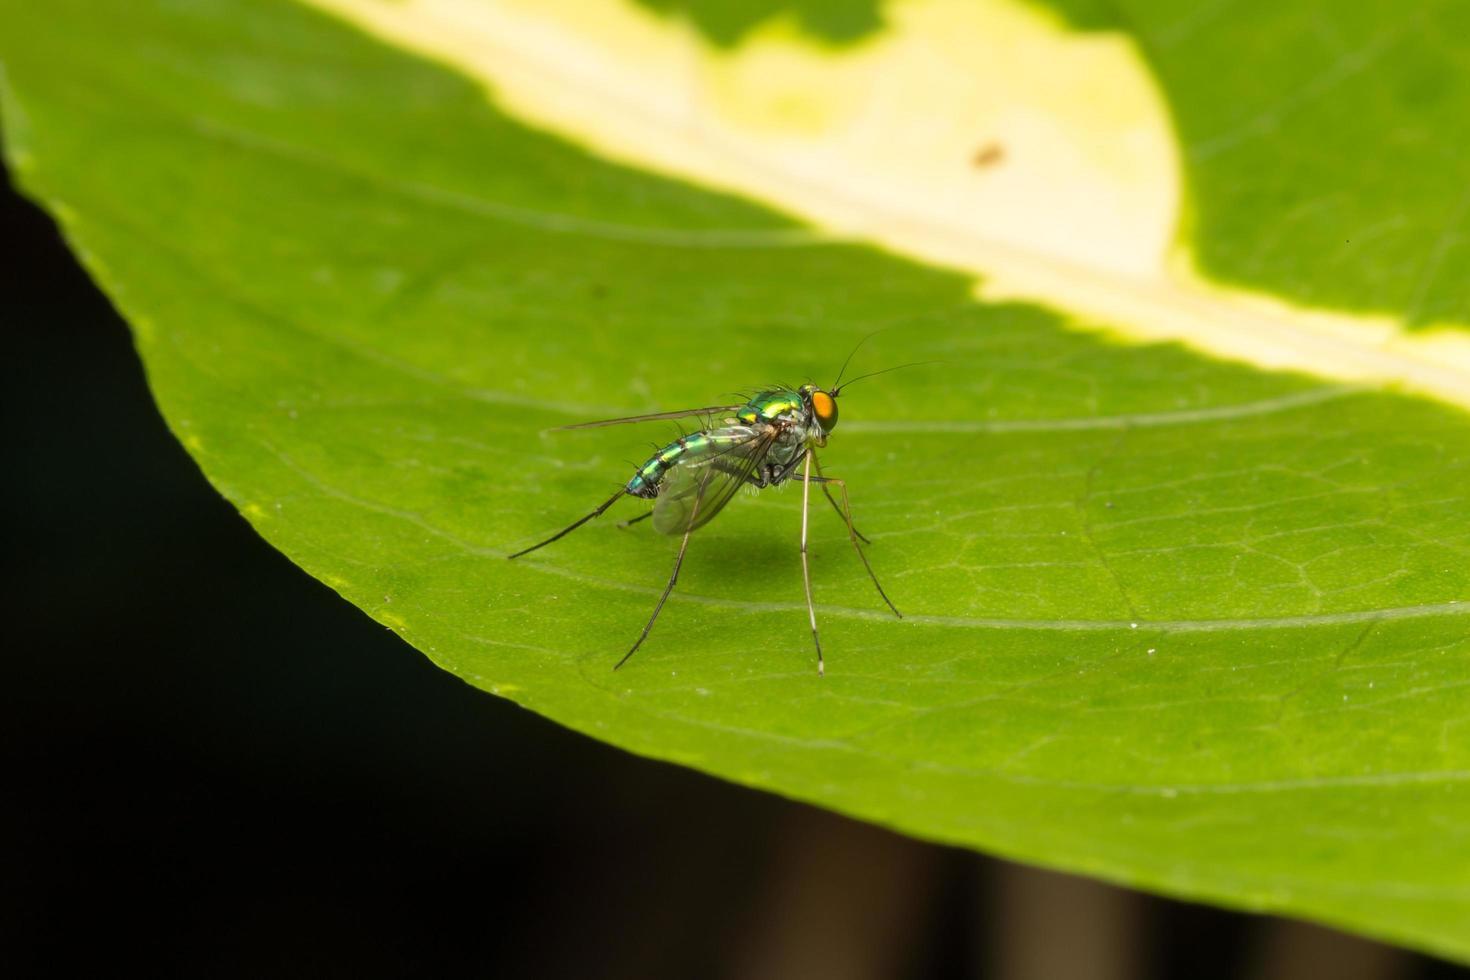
(874, 374)
(843, 370)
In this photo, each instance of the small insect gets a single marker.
(770, 439)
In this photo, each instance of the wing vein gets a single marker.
(653, 417)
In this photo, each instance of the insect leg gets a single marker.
(806, 573)
(846, 511)
(835, 506)
(674, 575)
(571, 527)
(635, 520)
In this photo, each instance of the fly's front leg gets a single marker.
(846, 511)
(806, 572)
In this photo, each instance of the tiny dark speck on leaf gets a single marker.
(988, 155)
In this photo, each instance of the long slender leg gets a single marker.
(674, 575)
(806, 572)
(835, 506)
(846, 511)
(635, 520)
(570, 527)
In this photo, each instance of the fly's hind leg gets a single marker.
(572, 526)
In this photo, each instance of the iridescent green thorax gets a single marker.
(768, 406)
(792, 410)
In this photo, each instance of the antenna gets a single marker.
(874, 374)
(843, 370)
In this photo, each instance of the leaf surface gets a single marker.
(1176, 621)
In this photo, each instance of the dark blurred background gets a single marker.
(215, 767)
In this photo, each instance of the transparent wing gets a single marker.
(699, 487)
(656, 416)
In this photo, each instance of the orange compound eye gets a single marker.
(824, 406)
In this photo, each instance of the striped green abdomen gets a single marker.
(650, 475)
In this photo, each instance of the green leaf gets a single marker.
(1331, 120)
(1180, 622)
(727, 22)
